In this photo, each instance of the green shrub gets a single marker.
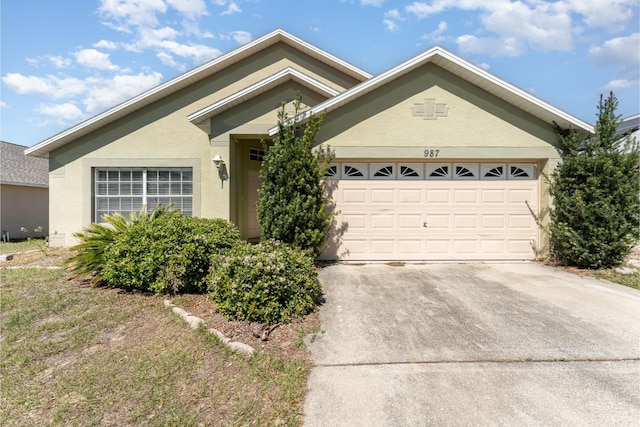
(270, 283)
(292, 203)
(168, 255)
(596, 214)
(89, 258)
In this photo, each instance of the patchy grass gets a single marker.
(631, 280)
(72, 354)
(13, 247)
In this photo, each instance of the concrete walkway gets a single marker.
(474, 344)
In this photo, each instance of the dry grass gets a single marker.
(73, 354)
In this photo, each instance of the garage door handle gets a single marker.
(424, 224)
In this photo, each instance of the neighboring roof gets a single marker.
(629, 124)
(465, 70)
(16, 168)
(43, 148)
(201, 118)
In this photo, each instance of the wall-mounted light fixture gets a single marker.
(217, 161)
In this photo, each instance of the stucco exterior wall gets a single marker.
(22, 206)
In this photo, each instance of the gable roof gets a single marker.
(16, 168)
(201, 118)
(43, 148)
(465, 70)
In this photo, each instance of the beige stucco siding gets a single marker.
(475, 124)
(24, 206)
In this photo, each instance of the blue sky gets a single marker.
(64, 61)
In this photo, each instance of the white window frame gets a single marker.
(487, 167)
(472, 167)
(362, 167)
(375, 167)
(527, 167)
(184, 196)
(417, 167)
(432, 167)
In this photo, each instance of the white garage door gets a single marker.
(434, 211)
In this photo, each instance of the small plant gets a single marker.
(270, 283)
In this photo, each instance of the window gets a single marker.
(354, 171)
(382, 171)
(256, 154)
(126, 190)
(438, 171)
(332, 172)
(492, 171)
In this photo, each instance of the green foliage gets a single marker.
(89, 258)
(270, 283)
(595, 221)
(170, 254)
(292, 204)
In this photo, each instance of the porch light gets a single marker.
(217, 161)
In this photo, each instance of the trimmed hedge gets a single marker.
(170, 254)
(270, 282)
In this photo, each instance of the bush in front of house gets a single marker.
(270, 282)
(293, 202)
(596, 213)
(170, 254)
(89, 258)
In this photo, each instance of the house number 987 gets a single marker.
(431, 153)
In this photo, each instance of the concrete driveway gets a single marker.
(474, 344)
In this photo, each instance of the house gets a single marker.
(24, 193)
(436, 159)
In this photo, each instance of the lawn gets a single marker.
(73, 354)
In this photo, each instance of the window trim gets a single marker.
(145, 196)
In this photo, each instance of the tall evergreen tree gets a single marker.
(292, 203)
(595, 220)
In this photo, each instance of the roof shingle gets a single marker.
(16, 168)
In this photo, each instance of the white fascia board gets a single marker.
(260, 87)
(504, 89)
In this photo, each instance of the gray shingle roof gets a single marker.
(16, 168)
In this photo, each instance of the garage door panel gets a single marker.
(435, 196)
(410, 196)
(354, 196)
(465, 221)
(442, 221)
(354, 221)
(383, 222)
(465, 196)
(493, 196)
(493, 221)
(409, 221)
(384, 196)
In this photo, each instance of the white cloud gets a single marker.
(375, 3)
(609, 14)
(62, 113)
(105, 93)
(132, 12)
(241, 37)
(59, 61)
(622, 54)
(509, 46)
(620, 51)
(105, 44)
(92, 58)
(391, 19)
(231, 9)
(191, 9)
(56, 87)
(619, 84)
(4, 104)
(435, 36)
